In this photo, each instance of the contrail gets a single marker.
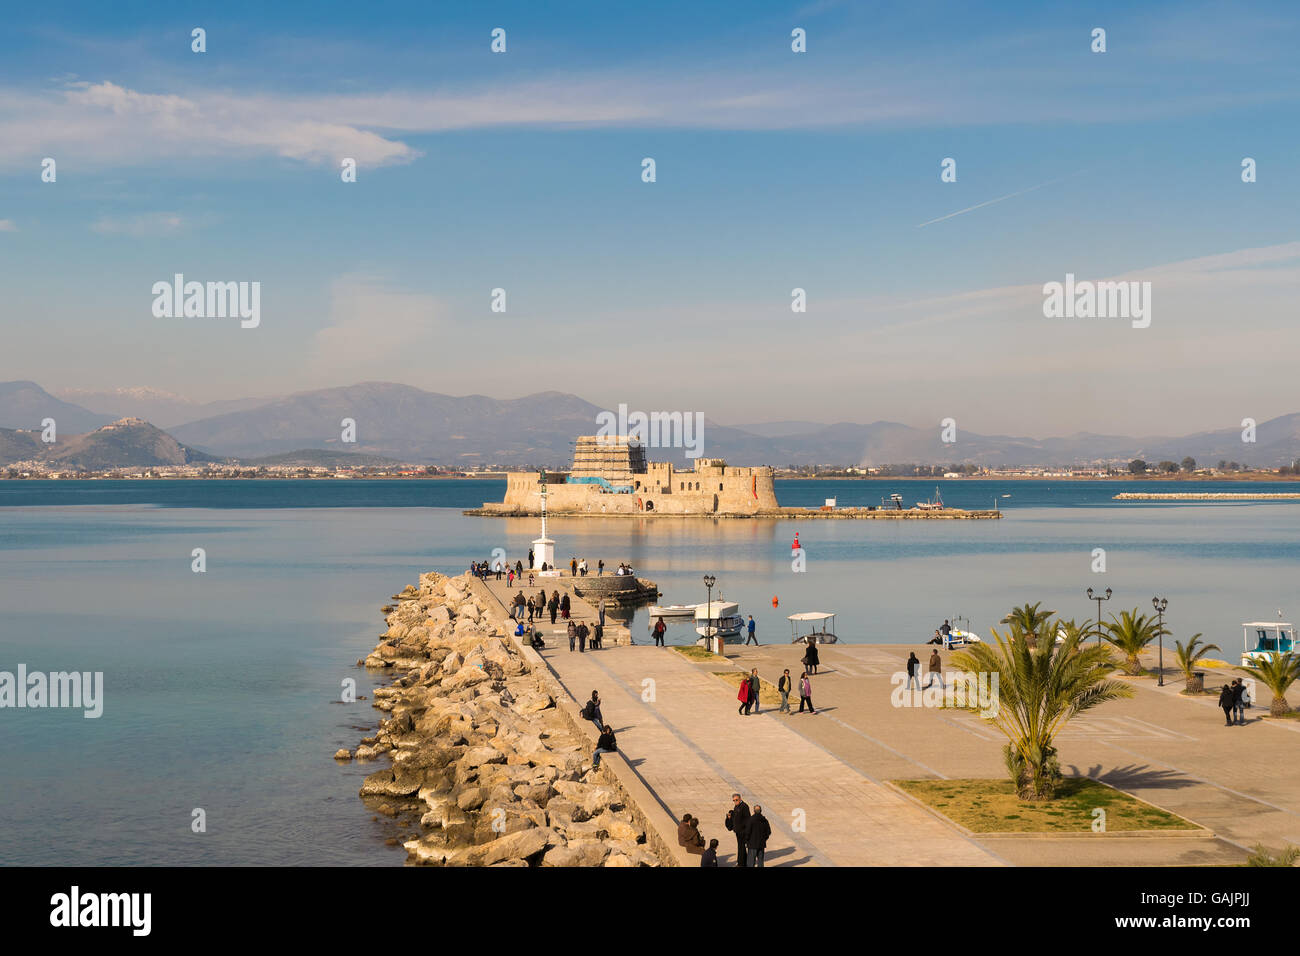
(988, 202)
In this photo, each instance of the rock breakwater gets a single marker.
(499, 774)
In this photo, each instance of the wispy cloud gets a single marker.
(7, 225)
(142, 226)
(987, 202)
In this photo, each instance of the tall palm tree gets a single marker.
(1130, 633)
(1189, 657)
(1277, 673)
(1030, 621)
(1039, 689)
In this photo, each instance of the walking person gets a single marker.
(805, 693)
(532, 608)
(660, 629)
(1238, 701)
(600, 567)
(554, 606)
(751, 636)
(573, 567)
(742, 695)
(913, 671)
(738, 823)
(600, 610)
(754, 686)
(573, 633)
(936, 669)
(783, 688)
(582, 638)
(530, 557)
(756, 836)
(598, 637)
(1226, 699)
(565, 605)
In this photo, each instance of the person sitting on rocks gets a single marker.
(607, 744)
(688, 835)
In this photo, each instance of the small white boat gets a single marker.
(671, 610)
(718, 618)
(960, 638)
(823, 634)
(1270, 639)
(934, 504)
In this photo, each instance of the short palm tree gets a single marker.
(1030, 621)
(1130, 633)
(1277, 673)
(1039, 689)
(1189, 657)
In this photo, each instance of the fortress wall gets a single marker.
(711, 489)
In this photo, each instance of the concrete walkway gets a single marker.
(821, 778)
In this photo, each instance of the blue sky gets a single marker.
(774, 170)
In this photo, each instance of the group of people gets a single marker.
(752, 831)
(580, 634)
(537, 607)
(914, 670)
(750, 692)
(1234, 698)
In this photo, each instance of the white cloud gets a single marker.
(373, 329)
(143, 226)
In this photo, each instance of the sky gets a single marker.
(774, 170)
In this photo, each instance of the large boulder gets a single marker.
(520, 845)
(579, 853)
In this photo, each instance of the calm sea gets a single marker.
(222, 689)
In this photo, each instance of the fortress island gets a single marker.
(611, 477)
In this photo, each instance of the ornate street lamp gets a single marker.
(709, 581)
(1160, 604)
(1098, 598)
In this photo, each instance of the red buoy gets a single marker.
(775, 602)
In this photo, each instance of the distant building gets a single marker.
(612, 476)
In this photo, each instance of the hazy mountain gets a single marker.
(406, 424)
(318, 458)
(20, 445)
(26, 405)
(128, 442)
(163, 409)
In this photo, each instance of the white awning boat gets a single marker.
(718, 618)
(1265, 639)
(821, 627)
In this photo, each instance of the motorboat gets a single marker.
(718, 618)
(1265, 639)
(817, 625)
(671, 610)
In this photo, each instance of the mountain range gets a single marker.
(403, 423)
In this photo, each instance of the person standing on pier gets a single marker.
(756, 836)
(530, 557)
(754, 685)
(565, 605)
(600, 567)
(738, 823)
(783, 687)
(805, 693)
(532, 607)
(554, 605)
(811, 658)
(601, 612)
(658, 631)
(573, 633)
(582, 638)
(742, 695)
(751, 632)
(598, 637)
(573, 567)
(1225, 701)
(1238, 701)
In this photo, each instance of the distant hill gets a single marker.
(318, 458)
(26, 405)
(128, 442)
(20, 445)
(163, 409)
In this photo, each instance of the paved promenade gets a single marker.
(820, 779)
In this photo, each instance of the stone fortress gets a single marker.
(611, 475)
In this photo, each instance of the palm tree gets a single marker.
(1131, 632)
(1030, 621)
(1189, 657)
(1276, 672)
(1039, 689)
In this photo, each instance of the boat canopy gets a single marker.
(717, 609)
(810, 616)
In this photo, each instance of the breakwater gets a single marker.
(486, 748)
(1206, 496)
(849, 514)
